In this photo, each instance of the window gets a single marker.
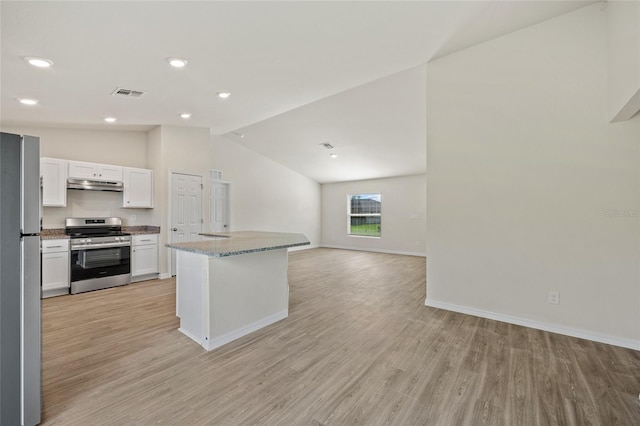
(364, 215)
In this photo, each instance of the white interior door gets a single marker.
(219, 209)
(186, 211)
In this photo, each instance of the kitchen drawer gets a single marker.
(55, 246)
(144, 239)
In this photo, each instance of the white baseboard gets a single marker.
(189, 335)
(243, 331)
(164, 276)
(538, 325)
(144, 278)
(303, 247)
(55, 292)
(405, 253)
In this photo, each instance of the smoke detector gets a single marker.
(127, 93)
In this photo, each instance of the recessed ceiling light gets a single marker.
(185, 115)
(333, 155)
(110, 119)
(28, 101)
(177, 62)
(224, 95)
(39, 62)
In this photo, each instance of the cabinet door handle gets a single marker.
(54, 246)
(145, 240)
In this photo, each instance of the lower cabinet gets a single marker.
(55, 267)
(144, 257)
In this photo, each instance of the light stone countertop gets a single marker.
(242, 242)
(53, 234)
(58, 233)
(141, 229)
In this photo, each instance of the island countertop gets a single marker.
(241, 242)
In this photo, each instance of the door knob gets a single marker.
(174, 229)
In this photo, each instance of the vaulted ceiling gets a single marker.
(299, 73)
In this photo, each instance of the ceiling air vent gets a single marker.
(327, 145)
(127, 93)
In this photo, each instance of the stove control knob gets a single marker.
(88, 240)
(118, 239)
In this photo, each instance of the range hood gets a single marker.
(94, 185)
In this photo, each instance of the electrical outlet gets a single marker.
(553, 297)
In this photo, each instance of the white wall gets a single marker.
(623, 36)
(529, 188)
(122, 148)
(403, 215)
(266, 196)
(94, 204)
(175, 149)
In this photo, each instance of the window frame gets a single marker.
(352, 215)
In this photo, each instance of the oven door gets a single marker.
(100, 262)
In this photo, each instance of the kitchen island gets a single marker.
(232, 283)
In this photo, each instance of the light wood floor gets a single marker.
(359, 347)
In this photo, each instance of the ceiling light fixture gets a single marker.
(333, 155)
(240, 135)
(110, 119)
(177, 62)
(327, 145)
(185, 115)
(39, 62)
(224, 95)
(28, 101)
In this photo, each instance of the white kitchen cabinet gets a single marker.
(55, 267)
(83, 170)
(144, 257)
(138, 188)
(54, 182)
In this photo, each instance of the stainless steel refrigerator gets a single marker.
(20, 313)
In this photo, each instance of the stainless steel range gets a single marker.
(100, 253)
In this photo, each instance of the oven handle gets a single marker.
(99, 246)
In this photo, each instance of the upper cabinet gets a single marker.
(54, 182)
(82, 170)
(138, 188)
(137, 183)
